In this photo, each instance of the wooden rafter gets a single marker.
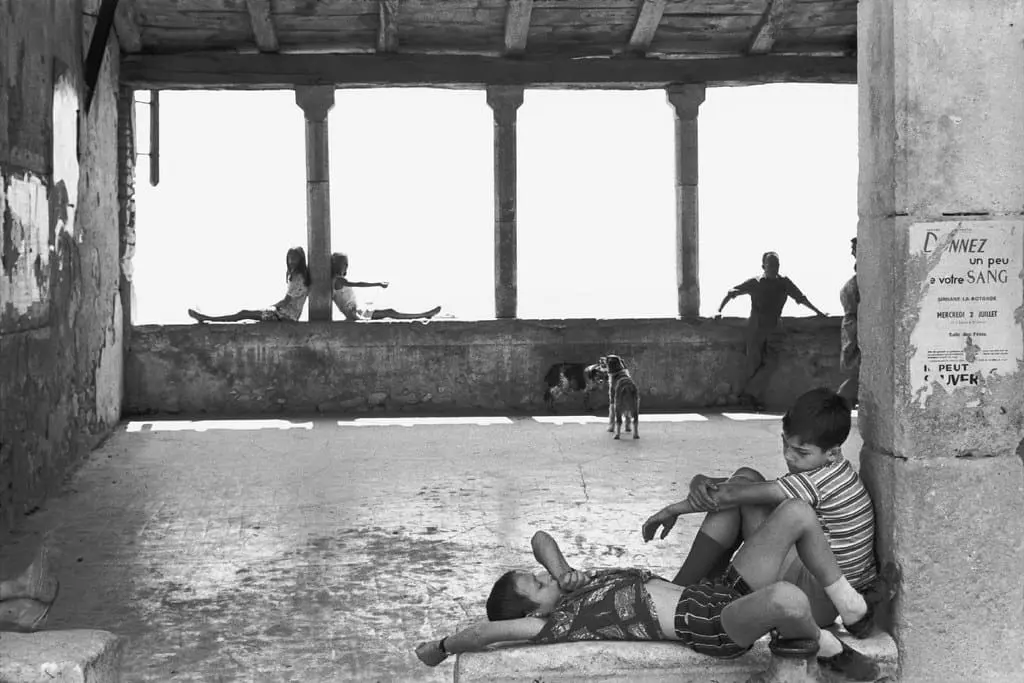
(266, 71)
(517, 26)
(764, 34)
(262, 25)
(646, 25)
(126, 27)
(387, 31)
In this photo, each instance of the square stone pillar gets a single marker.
(505, 101)
(941, 238)
(686, 101)
(316, 102)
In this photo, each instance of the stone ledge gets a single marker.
(75, 656)
(643, 662)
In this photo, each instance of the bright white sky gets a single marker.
(412, 198)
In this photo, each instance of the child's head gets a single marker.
(339, 264)
(518, 594)
(295, 261)
(814, 429)
(770, 263)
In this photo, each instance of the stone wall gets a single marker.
(60, 314)
(450, 366)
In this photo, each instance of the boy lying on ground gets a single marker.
(564, 605)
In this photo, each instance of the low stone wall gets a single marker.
(452, 366)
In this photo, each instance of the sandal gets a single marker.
(863, 627)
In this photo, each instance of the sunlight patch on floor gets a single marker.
(418, 421)
(210, 425)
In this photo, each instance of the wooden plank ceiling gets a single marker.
(816, 38)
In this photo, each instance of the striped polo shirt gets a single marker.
(844, 510)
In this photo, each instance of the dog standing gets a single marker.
(623, 398)
(565, 378)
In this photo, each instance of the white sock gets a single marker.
(849, 603)
(828, 644)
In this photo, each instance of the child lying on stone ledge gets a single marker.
(722, 619)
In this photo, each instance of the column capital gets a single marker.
(504, 98)
(315, 100)
(686, 98)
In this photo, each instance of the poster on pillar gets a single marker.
(969, 328)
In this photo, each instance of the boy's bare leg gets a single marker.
(232, 318)
(781, 606)
(766, 558)
(392, 314)
(720, 535)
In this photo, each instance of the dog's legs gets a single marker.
(618, 423)
(611, 414)
(636, 419)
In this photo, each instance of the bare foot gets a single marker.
(37, 582)
(432, 312)
(23, 615)
(196, 315)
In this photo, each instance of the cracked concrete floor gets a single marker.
(325, 552)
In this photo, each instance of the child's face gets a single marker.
(293, 260)
(803, 457)
(540, 588)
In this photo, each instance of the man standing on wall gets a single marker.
(849, 359)
(768, 295)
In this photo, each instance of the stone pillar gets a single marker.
(126, 205)
(504, 101)
(941, 128)
(686, 101)
(316, 101)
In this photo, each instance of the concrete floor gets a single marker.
(319, 551)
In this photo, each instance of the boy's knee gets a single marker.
(747, 474)
(796, 510)
(788, 601)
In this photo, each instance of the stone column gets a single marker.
(941, 127)
(686, 101)
(504, 101)
(316, 101)
(126, 205)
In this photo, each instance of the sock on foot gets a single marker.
(828, 644)
(705, 554)
(849, 603)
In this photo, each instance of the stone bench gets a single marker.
(75, 656)
(640, 662)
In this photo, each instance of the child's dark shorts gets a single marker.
(698, 619)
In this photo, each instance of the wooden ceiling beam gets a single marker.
(387, 31)
(517, 26)
(764, 33)
(234, 71)
(646, 25)
(262, 25)
(126, 27)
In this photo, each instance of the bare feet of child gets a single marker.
(196, 315)
(23, 614)
(37, 582)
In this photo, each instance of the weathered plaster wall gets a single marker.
(61, 370)
(942, 141)
(449, 366)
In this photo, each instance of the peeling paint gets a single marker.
(24, 277)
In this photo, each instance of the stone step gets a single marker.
(74, 656)
(640, 662)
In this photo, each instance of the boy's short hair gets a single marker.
(769, 254)
(820, 417)
(505, 603)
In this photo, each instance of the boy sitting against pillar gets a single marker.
(813, 431)
(722, 621)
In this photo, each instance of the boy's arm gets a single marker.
(794, 292)
(731, 495)
(477, 637)
(547, 552)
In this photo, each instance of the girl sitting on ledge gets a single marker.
(346, 301)
(287, 309)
